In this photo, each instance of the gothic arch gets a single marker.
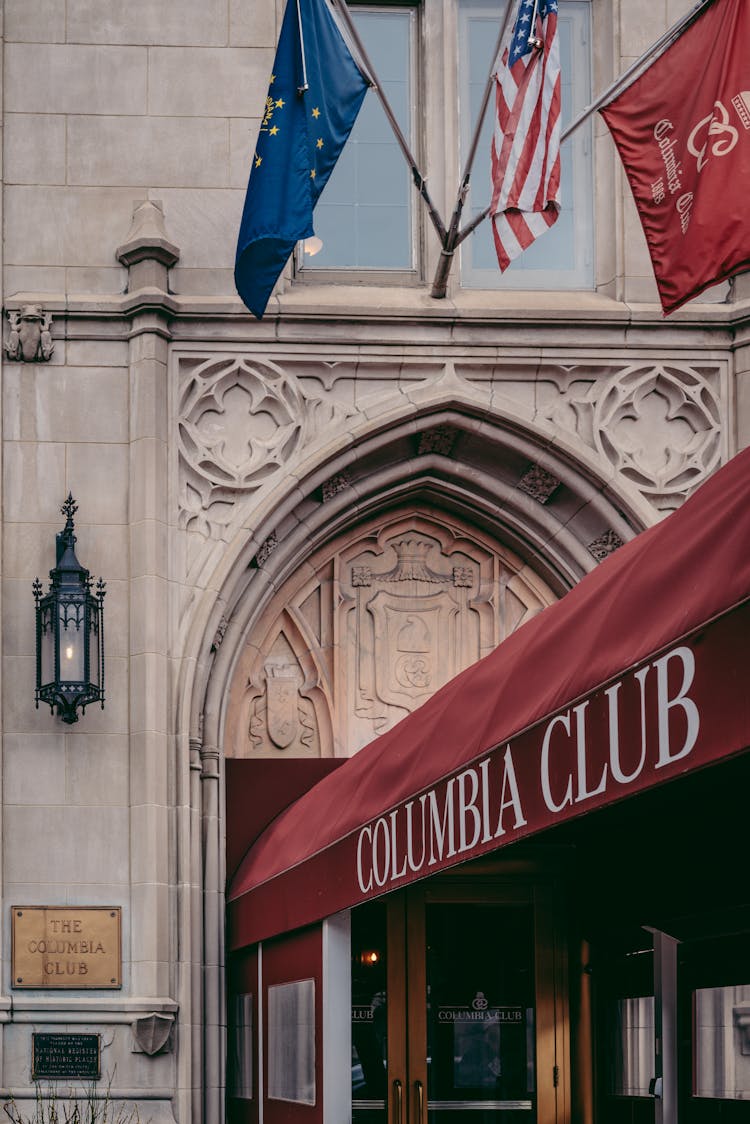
(550, 510)
(558, 508)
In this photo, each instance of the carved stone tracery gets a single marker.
(660, 427)
(243, 420)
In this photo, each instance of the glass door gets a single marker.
(370, 949)
(453, 1008)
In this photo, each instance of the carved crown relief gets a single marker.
(394, 611)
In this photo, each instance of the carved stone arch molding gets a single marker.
(397, 554)
(459, 466)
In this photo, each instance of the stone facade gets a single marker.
(306, 523)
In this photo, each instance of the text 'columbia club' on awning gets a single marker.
(636, 676)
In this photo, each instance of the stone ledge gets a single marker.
(397, 307)
(111, 1092)
(82, 1009)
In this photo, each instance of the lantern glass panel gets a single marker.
(94, 660)
(72, 637)
(47, 646)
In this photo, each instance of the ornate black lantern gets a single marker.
(69, 631)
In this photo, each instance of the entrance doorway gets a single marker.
(455, 1019)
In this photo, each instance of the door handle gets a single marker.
(398, 1096)
(419, 1087)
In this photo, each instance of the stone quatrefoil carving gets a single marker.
(243, 420)
(659, 425)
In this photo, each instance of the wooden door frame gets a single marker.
(407, 980)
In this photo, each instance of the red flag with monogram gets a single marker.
(683, 133)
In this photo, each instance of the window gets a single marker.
(635, 1046)
(563, 257)
(714, 1001)
(627, 1021)
(291, 1042)
(369, 216)
(240, 1053)
(364, 216)
(722, 1043)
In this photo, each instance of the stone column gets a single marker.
(148, 254)
(740, 295)
(213, 936)
(194, 918)
(5, 1002)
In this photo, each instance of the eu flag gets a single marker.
(314, 96)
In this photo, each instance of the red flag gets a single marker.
(683, 133)
(526, 142)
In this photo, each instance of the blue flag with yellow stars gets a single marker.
(314, 96)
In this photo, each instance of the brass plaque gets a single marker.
(66, 946)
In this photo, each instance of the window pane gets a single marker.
(369, 1014)
(563, 256)
(240, 1060)
(627, 1028)
(722, 1042)
(635, 1046)
(480, 1011)
(364, 213)
(291, 1042)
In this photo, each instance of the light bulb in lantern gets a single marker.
(313, 245)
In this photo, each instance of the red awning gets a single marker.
(639, 674)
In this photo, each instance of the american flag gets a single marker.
(526, 140)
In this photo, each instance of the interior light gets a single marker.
(370, 957)
(313, 245)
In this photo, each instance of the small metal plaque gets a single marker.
(66, 1055)
(66, 946)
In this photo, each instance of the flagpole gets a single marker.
(305, 86)
(419, 181)
(614, 88)
(451, 240)
(631, 72)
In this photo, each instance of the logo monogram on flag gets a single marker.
(715, 128)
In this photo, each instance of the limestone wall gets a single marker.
(211, 456)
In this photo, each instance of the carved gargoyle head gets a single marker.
(30, 337)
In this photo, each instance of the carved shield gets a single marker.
(152, 1032)
(282, 710)
(414, 649)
